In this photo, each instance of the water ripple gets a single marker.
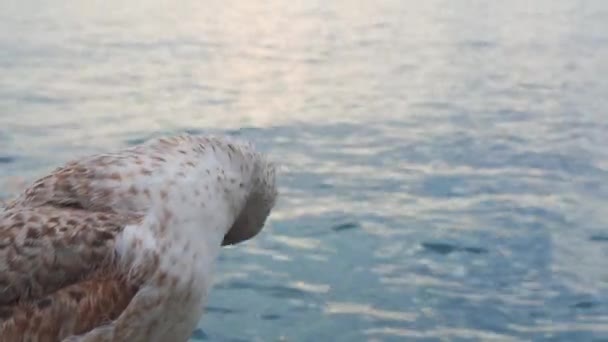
(446, 248)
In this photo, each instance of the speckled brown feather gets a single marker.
(74, 309)
(44, 249)
(58, 274)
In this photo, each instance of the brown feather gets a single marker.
(59, 275)
(45, 249)
(74, 309)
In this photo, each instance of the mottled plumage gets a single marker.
(121, 246)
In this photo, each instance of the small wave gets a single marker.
(446, 248)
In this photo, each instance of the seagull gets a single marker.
(122, 246)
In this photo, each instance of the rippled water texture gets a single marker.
(444, 162)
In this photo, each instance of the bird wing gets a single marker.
(117, 182)
(107, 182)
(58, 272)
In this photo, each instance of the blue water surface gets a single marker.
(444, 164)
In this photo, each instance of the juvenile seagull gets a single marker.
(121, 246)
